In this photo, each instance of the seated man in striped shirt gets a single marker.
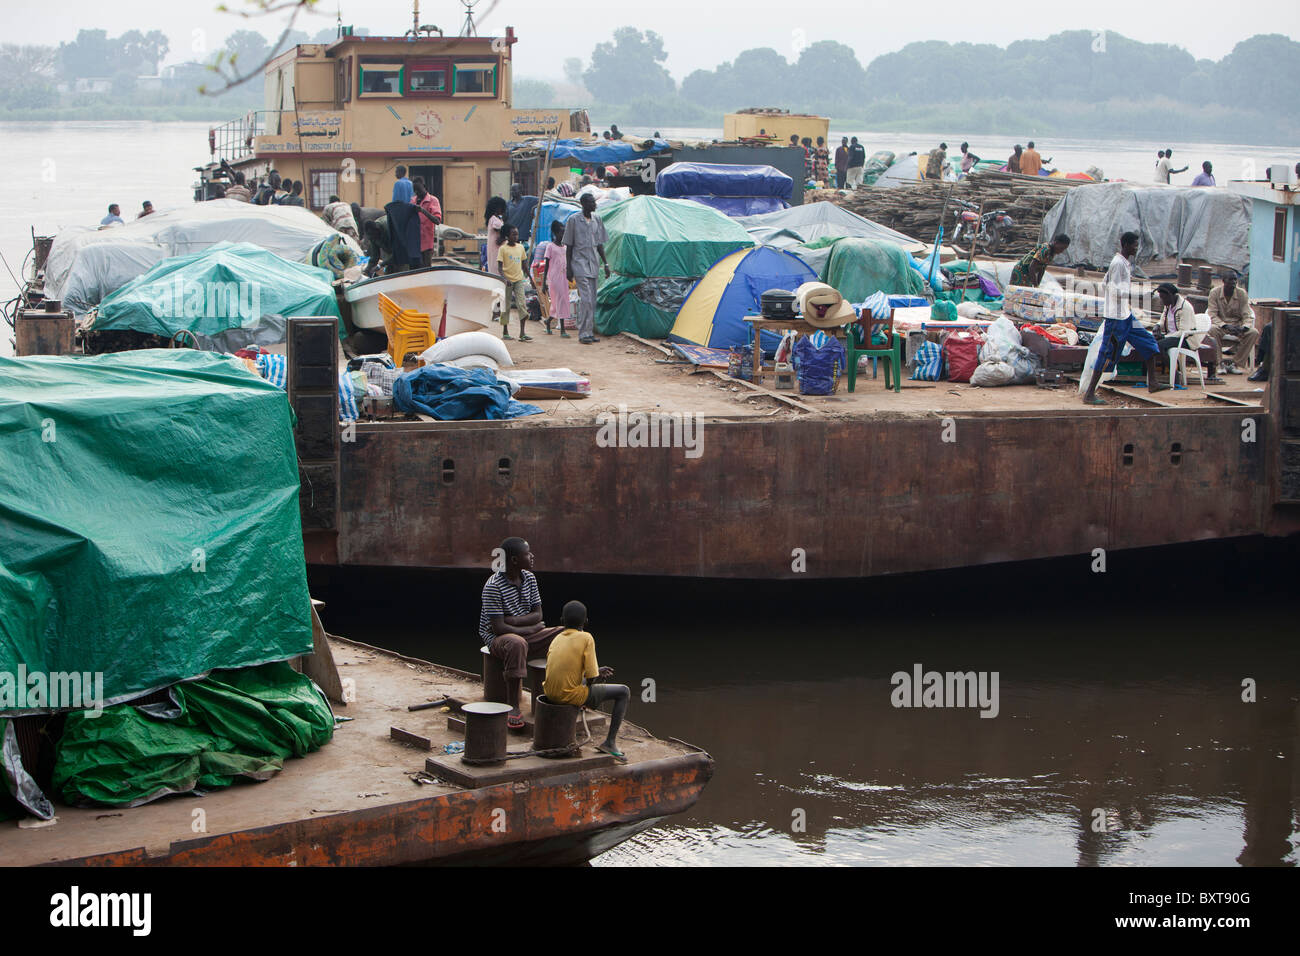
(510, 621)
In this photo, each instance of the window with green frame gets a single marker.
(474, 79)
(381, 79)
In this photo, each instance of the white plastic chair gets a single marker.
(1179, 355)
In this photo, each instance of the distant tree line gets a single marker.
(31, 75)
(1079, 81)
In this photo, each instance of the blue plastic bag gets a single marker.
(819, 369)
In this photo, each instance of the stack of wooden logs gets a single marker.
(914, 209)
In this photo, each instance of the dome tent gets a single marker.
(656, 250)
(714, 310)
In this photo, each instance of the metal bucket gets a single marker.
(555, 726)
(485, 733)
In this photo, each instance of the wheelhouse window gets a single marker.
(1279, 235)
(474, 79)
(324, 183)
(381, 79)
(428, 77)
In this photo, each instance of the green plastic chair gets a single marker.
(892, 355)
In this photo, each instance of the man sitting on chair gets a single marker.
(1178, 317)
(510, 621)
(572, 658)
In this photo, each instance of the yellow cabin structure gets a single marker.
(340, 117)
(778, 125)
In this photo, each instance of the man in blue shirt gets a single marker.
(403, 189)
(114, 216)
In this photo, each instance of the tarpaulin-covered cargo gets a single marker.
(652, 236)
(230, 725)
(149, 526)
(85, 265)
(230, 296)
(654, 244)
(599, 152)
(859, 268)
(732, 190)
(800, 225)
(1204, 223)
(902, 172)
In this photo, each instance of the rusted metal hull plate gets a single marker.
(855, 498)
(586, 809)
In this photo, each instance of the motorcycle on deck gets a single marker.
(987, 228)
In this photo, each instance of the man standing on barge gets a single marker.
(584, 240)
(510, 621)
(1120, 325)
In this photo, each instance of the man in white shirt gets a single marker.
(1177, 318)
(1164, 168)
(1120, 326)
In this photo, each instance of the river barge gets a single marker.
(367, 798)
(786, 486)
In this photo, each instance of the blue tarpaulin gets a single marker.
(448, 393)
(616, 151)
(732, 190)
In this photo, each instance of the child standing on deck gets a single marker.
(571, 658)
(555, 280)
(510, 256)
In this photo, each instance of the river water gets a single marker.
(1120, 738)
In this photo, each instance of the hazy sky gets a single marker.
(696, 34)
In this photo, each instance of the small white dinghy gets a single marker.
(469, 295)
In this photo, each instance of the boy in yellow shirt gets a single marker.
(570, 660)
(511, 257)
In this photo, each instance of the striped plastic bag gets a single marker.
(927, 365)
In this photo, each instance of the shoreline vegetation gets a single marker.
(1074, 84)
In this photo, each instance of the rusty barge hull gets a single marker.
(821, 498)
(566, 820)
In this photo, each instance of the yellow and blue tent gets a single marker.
(713, 312)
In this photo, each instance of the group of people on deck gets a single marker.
(575, 252)
(1228, 308)
(512, 629)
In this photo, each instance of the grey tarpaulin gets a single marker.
(787, 228)
(1204, 223)
(665, 293)
(85, 265)
(16, 780)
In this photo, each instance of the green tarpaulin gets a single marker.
(229, 725)
(859, 268)
(229, 295)
(149, 527)
(651, 238)
(620, 309)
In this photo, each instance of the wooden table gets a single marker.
(758, 323)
